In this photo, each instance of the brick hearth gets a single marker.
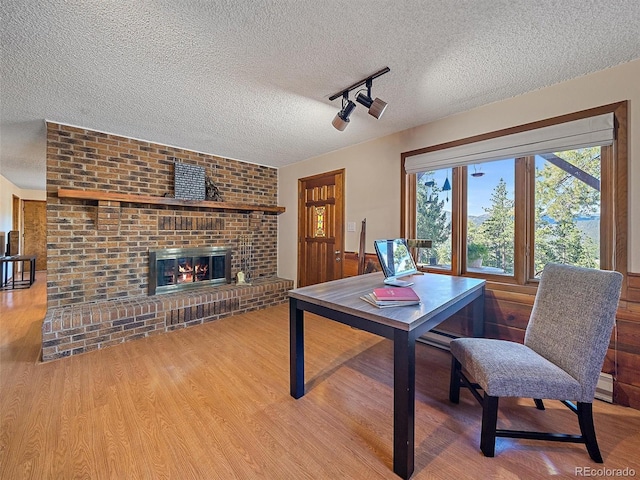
(85, 327)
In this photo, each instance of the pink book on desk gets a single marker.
(396, 294)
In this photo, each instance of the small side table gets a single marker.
(22, 283)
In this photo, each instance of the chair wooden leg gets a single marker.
(539, 404)
(454, 381)
(489, 422)
(585, 419)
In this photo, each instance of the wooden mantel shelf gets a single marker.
(149, 199)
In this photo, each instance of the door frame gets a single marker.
(341, 173)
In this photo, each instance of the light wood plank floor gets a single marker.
(212, 402)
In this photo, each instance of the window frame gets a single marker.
(613, 214)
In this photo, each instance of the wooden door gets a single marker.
(35, 231)
(320, 228)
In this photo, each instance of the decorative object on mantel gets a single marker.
(246, 250)
(189, 183)
(212, 192)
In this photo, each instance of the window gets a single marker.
(567, 208)
(490, 217)
(523, 197)
(433, 217)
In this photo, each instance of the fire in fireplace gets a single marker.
(174, 269)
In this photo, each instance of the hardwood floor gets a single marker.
(212, 402)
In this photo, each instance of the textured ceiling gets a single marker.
(250, 80)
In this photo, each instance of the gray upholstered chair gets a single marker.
(564, 347)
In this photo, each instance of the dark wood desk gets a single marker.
(22, 283)
(441, 296)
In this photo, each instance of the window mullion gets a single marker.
(524, 219)
(458, 221)
(408, 207)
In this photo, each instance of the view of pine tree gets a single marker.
(561, 198)
(497, 231)
(431, 219)
(567, 215)
(563, 242)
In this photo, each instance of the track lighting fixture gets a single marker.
(341, 120)
(376, 107)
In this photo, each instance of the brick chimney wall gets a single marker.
(91, 264)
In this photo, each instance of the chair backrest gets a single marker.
(572, 319)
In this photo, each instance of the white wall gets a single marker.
(372, 189)
(7, 191)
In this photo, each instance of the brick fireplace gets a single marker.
(98, 249)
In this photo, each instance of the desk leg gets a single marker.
(404, 397)
(478, 316)
(296, 349)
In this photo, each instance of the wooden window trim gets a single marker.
(614, 209)
(524, 220)
(619, 190)
(458, 220)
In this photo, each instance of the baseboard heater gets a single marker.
(441, 339)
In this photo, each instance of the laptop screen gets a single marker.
(395, 258)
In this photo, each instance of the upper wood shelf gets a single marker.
(149, 199)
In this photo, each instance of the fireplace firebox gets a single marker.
(174, 269)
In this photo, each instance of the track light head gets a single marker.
(341, 120)
(376, 107)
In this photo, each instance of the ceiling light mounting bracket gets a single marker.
(368, 80)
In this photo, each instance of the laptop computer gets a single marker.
(396, 261)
